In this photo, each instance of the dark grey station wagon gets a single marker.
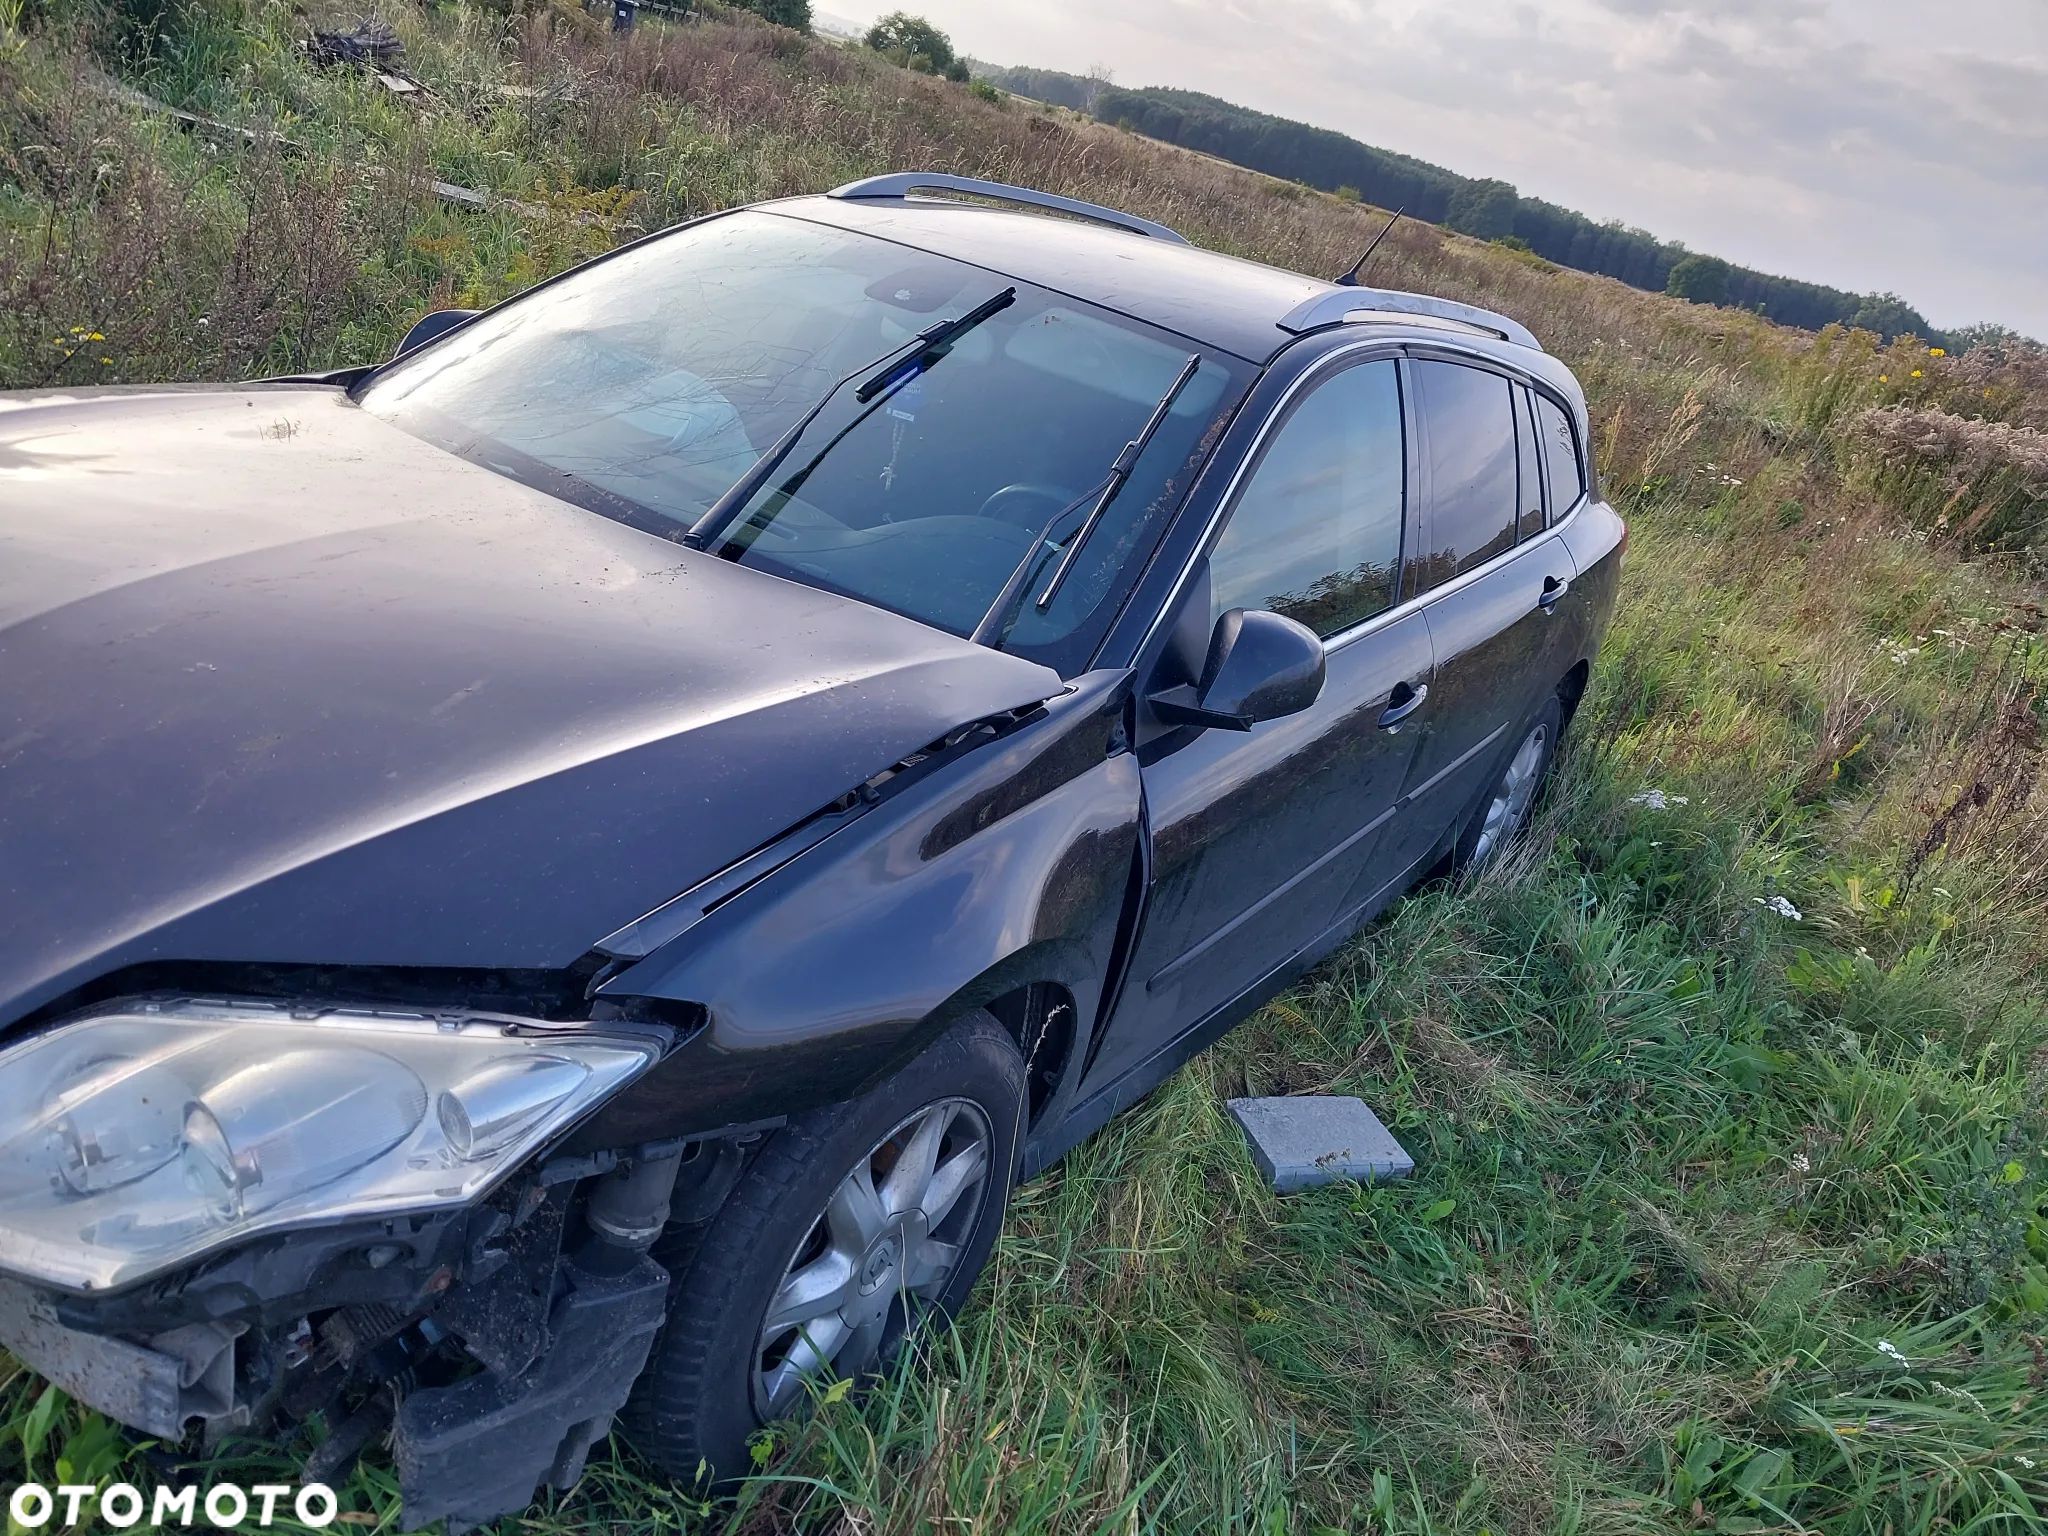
(567, 874)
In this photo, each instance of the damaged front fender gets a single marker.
(1011, 869)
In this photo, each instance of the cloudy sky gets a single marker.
(1872, 144)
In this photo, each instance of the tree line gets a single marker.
(1484, 207)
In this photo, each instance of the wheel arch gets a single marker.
(1571, 688)
(1043, 1018)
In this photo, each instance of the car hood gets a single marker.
(280, 683)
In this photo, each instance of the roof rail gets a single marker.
(1390, 305)
(901, 184)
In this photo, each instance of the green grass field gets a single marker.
(1728, 1091)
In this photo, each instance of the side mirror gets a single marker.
(431, 327)
(1261, 666)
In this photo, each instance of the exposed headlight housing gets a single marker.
(136, 1139)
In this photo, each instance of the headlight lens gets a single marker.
(132, 1141)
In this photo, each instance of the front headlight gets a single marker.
(133, 1140)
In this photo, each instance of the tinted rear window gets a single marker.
(1560, 457)
(1469, 440)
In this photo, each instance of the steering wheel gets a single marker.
(1026, 503)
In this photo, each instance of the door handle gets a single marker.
(1402, 702)
(1553, 589)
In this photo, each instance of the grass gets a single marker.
(1725, 1219)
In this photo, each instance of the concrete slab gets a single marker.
(1316, 1139)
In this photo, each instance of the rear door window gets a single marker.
(1469, 445)
(1561, 463)
(1316, 532)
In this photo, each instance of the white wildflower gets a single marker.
(1781, 906)
(1656, 799)
(1891, 1352)
(1801, 1163)
(1958, 1393)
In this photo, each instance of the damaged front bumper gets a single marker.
(491, 1337)
(494, 1350)
(480, 1446)
(160, 1386)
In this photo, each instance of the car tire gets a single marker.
(1518, 778)
(794, 1225)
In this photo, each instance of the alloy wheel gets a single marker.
(885, 1246)
(1509, 807)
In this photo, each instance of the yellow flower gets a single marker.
(94, 336)
(1987, 394)
(1937, 352)
(1884, 378)
(107, 360)
(1918, 374)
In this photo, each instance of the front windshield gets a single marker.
(647, 385)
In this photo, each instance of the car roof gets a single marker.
(1217, 300)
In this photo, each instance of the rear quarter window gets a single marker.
(1469, 437)
(1562, 465)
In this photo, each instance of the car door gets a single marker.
(1256, 836)
(1490, 577)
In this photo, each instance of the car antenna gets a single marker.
(1350, 279)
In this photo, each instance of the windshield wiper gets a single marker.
(934, 343)
(996, 622)
(1002, 613)
(928, 346)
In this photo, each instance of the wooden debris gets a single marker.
(371, 43)
(462, 197)
(192, 122)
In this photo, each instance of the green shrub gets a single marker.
(915, 43)
(795, 14)
(1698, 279)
